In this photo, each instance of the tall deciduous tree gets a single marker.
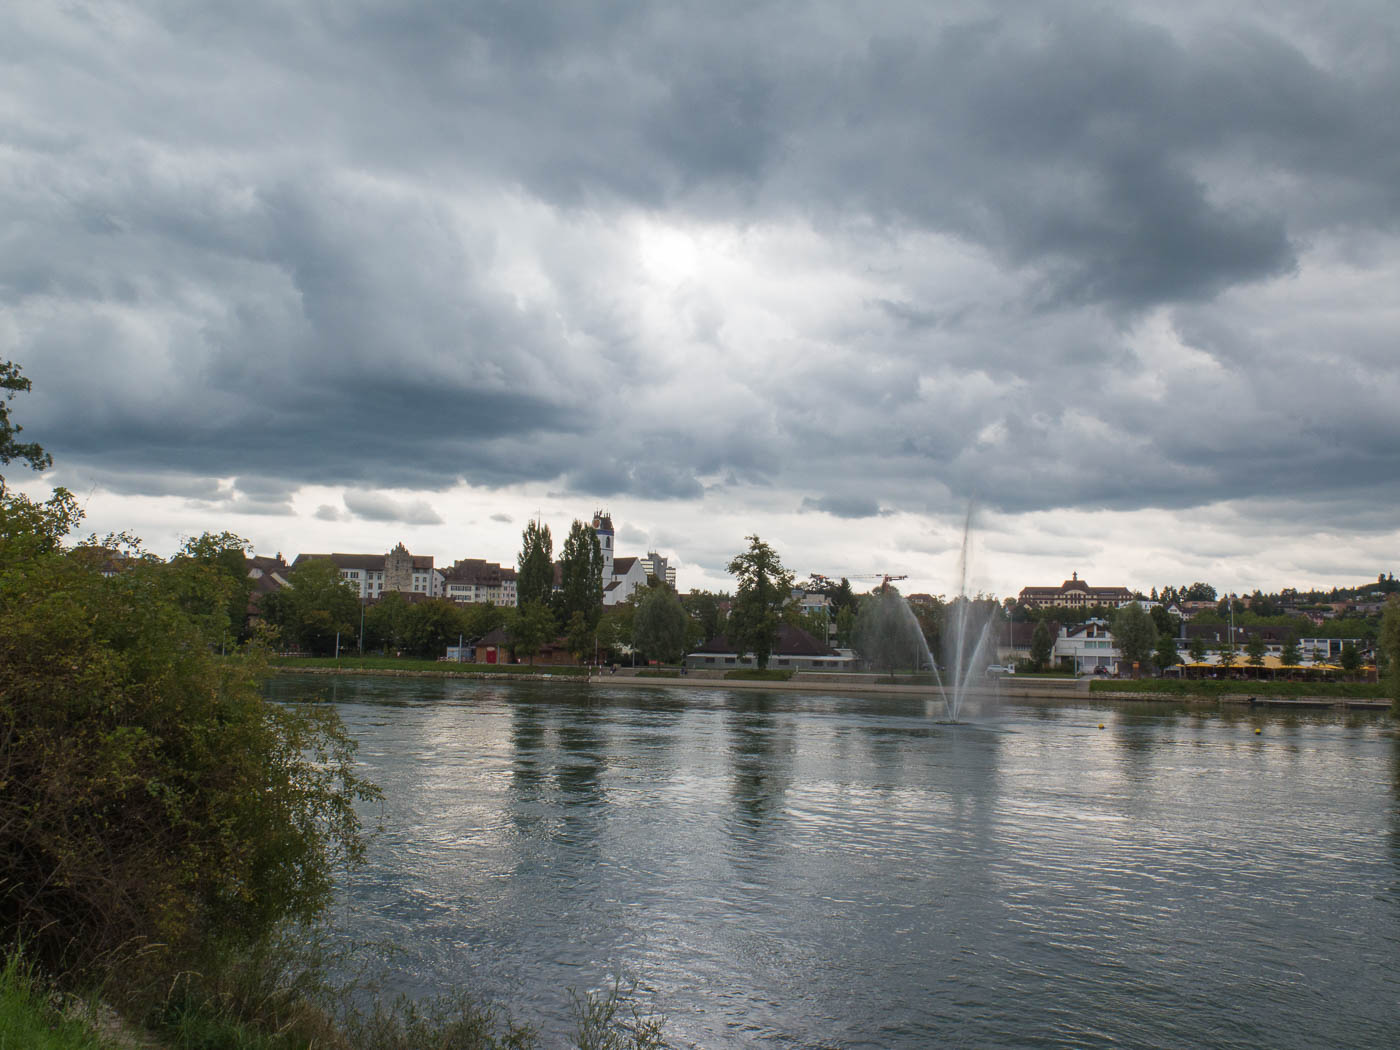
(536, 565)
(659, 627)
(581, 574)
(1042, 645)
(224, 556)
(1388, 644)
(1255, 649)
(12, 383)
(1134, 633)
(1166, 654)
(1291, 652)
(317, 606)
(764, 586)
(1197, 649)
(529, 628)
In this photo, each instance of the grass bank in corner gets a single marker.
(405, 663)
(1213, 688)
(30, 1017)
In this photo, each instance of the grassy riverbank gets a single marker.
(405, 663)
(1215, 688)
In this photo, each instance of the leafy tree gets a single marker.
(386, 623)
(1164, 621)
(703, 607)
(764, 587)
(1255, 650)
(481, 619)
(846, 627)
(581, 638)
(1229, 652)
(317, 606)
(1388, 645)
(1166, 654)
(1198, 592)
(156, 809)
(1350, 658)
(1197, 649)
(431, 626)
(531, 626)
(660, 626)
(581, 574)
(842, 597)
(1042, 646)
(224, 555)
(12, 383)
(1134, 633)
(535, 581)
(1290, 654)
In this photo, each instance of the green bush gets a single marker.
(154, 809)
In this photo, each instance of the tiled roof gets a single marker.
(792, 641)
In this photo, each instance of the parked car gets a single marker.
(1001, 668)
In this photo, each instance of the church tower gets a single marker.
(602, 525)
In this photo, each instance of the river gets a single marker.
(805, 870)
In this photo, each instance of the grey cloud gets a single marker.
(325, 512)
(503, 518)
(272, 271)
(843, 506)
(374, 506)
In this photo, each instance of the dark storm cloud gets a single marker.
(386, 246)
(842, 507)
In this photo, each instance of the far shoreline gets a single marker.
(1066, 689)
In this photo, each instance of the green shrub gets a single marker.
(154, 809)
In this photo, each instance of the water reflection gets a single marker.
(786, 869)
(760, 754)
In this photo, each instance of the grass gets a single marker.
(30, 1017)
(1209, 687)
(408, 663)
(754, 674)
(658, 674)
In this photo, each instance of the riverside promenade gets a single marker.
(1009, 687)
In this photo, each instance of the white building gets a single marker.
(476, 581)
(372, 575)
(1089, 646)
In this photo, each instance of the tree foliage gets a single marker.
(581, 575)
(1389, 647)
(535, 563)
(1255, 650)
(1134, 633)
(529, 628)
(1166, 654)
(659, 628)
(225, 556)
(318, 606)
(1197, 649)
(1042, 646)
(764, 587)
(153, 803)
(13, 382)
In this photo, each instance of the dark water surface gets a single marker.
(804, 870)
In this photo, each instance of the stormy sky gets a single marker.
(1125, 278)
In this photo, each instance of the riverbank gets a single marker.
(1243, 694)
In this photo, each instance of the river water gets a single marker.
(805, 870)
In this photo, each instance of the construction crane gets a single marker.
(883, 577)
